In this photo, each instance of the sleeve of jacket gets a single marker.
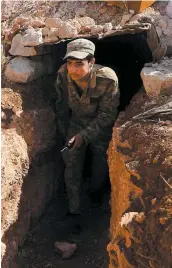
(106, 115)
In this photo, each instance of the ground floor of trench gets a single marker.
(38, 251)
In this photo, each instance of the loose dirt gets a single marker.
(38, 251)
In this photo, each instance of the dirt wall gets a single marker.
(30, 162)
(140, 161)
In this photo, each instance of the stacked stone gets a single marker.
(162, 18)
(27, 38)
(157, 77)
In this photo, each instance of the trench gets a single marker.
(126, 54)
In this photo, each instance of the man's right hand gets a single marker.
(78, 141)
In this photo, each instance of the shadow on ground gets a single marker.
(38, 251)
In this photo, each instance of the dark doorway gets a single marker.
(126, 54)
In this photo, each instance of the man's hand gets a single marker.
(78, 141)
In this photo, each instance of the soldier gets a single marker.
(87, 102)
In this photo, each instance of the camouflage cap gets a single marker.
(80, 48)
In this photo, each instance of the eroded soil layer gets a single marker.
(140, 160)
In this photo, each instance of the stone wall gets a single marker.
(30, 34)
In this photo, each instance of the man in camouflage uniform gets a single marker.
(87, 102)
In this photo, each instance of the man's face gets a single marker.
(78, 69)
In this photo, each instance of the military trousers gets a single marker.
(74, 171)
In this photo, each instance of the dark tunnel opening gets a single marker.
(126, 55)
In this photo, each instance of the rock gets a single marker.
(170, 24)
(125, 18)
(149, 15)
(162, 23)
(50, 39)
(25, 22)
(45, 31)
(53, 32)
(80, 11)
(169, 9)
(3, 250)
(22, 70)
(18, 48)
(128, 218)
(3, 17)
(52, 35)
(21, 21)
(157, 79)
(131, 11)
(67, 30)
(75, 24)
(166, 31)
(117, 27)
(66, 249)
(96, 29)
(32, 37)
(86, 21)
(54, 23)
(36, 23)
(107, 27)
(10, 33)
(85, 29)
(159, 31)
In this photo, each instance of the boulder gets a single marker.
(159, 31)
(23, 70)
(45, 31)
(169, 9)
(67, 30)
(37, 23)
(21, 21)
(107, 27)
(75, 23)
(86, 21)
(96, 29)
(50, 39)
(158, 78)
(53, 32)
(53, 22)
(163, 22)
(125, 18)
(32, 37)
(18, 48)
(10, 33)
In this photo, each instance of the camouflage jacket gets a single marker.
(95, 110)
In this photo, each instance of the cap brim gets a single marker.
(77, 54)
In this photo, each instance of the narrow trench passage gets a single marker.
(126, 54)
